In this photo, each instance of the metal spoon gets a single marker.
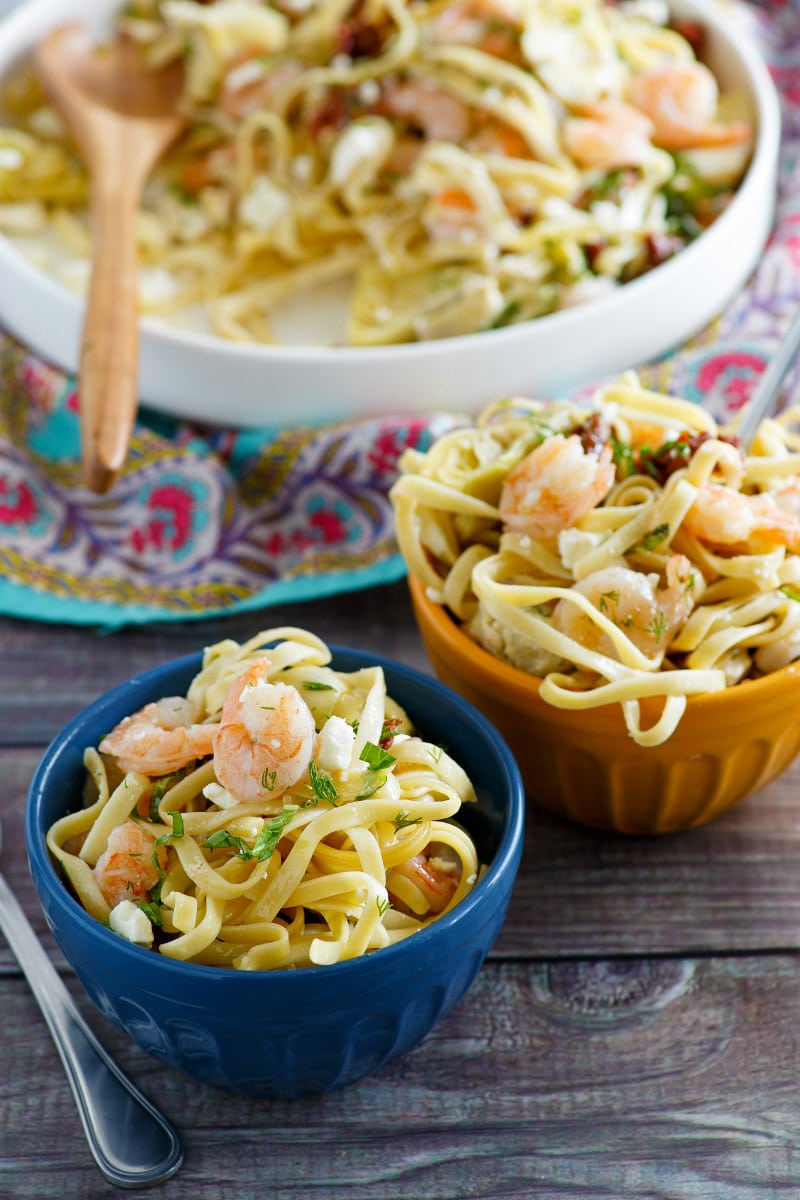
(768, 388)
(123, 117)
(132, 1143)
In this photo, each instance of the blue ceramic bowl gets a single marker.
(298, 1032)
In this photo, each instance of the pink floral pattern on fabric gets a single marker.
(207, 521)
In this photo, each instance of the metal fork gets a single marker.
(133, 1144)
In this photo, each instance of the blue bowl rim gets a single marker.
(506, 858)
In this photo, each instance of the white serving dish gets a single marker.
(203, 377)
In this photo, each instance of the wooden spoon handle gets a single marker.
(109, 358)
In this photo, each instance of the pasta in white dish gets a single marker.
(456, 167)
(621, 551)
(281, 814)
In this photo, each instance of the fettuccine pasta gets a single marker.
(620, 551)
(454, 166)
(281, 814)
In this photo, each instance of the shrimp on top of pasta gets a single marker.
(281, 814)
(452, 165)
(618, 551)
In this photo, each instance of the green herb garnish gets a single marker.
(402, 820)
(322, 784)
(375, 758)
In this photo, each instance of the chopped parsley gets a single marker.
(152, 912)
(374, 783)
(177, 832)
(622, 457)
(316, 685)
(790, 591)
(375, 758)
(322, 785)
(402, 820)
(265, 843)
(650, 540)
(607, 599)
(659, 625)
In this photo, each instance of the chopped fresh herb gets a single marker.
(268, 779)
(652, 462)
(162, 786)
(152, 912)
(316, 685)
(650, 540)
(388, 730)
(622, 456)
(177, 832)
(790, 591)
(374, 783)
(382, 905)
(375, 758)
(322, 784)
(224, 840)
(271, 832)
(659, 625)
(402, 820)
(436, 753)
(607, 599)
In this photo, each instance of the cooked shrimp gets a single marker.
(648, 614)
(775, 655)
(490, 25)
(433, 873)
(160, 738)
(723, 517)
(555, 485)
(681, 100)
(440, 116)
(125, 870)
(252, 82)
(610, 134)
(265, 738)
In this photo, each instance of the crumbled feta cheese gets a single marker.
(263, 204)
(128, 920)
(359, 143)
(11, 159)
(335, 744)
(156, 285)
(369, 91)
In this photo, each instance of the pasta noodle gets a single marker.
(620, 551)
(281, 814)
(452, 166)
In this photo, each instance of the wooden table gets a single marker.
(634, 1033)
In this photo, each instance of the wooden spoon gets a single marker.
(122, 117)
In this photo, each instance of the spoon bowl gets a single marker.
(122, 116)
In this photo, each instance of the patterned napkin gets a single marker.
(207, 521)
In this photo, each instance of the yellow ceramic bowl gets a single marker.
(584, 765)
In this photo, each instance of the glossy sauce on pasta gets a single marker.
(281, 814)
(617, 551)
